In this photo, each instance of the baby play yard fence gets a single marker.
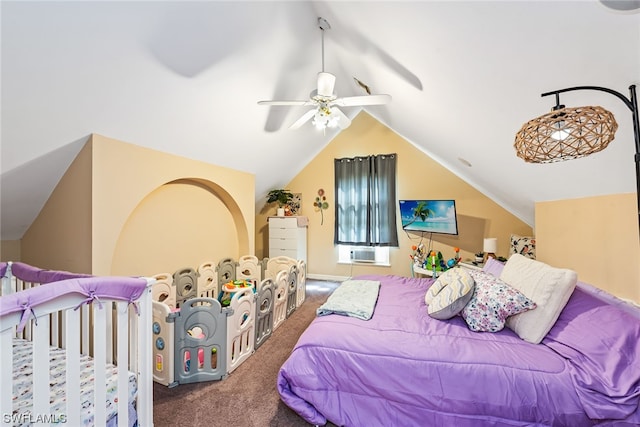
(210, 319)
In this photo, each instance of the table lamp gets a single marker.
(490, 248)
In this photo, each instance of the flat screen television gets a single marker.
(430, 216)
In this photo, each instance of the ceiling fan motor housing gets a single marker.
(326, 83)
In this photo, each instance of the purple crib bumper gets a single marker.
(93, 288)
(32, 274)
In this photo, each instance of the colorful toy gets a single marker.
(454, 261)
(229, 288)
(419, 254)
(436, 263)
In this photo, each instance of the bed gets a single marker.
(403, 367)
(75, 349)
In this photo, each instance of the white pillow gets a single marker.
(549, 287)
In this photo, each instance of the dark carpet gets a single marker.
(248, 396)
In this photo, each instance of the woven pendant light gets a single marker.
(565, 134)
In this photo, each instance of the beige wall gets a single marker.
(418, 176)
(128, 210)
(124, 175)
(173, 228)
(10, 250)
(595, 236)
(60, 236)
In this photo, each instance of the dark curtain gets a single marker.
(366, 201)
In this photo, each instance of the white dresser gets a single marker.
(288, 237)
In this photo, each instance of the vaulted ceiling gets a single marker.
(185, 78)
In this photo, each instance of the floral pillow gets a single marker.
(525, 246)
(492, 302)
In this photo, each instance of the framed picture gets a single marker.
(296, 204)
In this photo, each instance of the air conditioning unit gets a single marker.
(363, 255)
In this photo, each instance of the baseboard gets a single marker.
(327, 277)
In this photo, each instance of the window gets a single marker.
(366, 201)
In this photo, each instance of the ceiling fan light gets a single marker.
(319, 120)
(319, 124)
(323, 118)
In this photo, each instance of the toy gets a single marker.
(435, 261)
(233, 286)
(418, 255)
(454, 261)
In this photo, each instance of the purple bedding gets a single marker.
(404, 368)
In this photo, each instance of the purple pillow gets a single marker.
(493, 266)
(492, 302)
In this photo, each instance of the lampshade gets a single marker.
(490, 245)
(565, 134)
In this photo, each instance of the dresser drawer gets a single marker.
(291, 253)
(283, 222)
(284, 243)
(283, 233)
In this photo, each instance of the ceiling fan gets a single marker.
(326, 113)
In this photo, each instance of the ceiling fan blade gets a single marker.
(326, 83)
(302, 120)
(352, 101)
(344, 121)
(303, 103)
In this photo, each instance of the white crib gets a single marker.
(72, 337)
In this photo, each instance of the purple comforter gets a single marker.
(404, 368)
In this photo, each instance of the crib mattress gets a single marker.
(22, 380)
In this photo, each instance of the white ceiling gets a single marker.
(185, 78)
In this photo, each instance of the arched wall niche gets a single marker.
(181, 223)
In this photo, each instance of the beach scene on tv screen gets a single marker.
(434, 216)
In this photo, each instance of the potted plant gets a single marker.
(479, 257)
(281, 197)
